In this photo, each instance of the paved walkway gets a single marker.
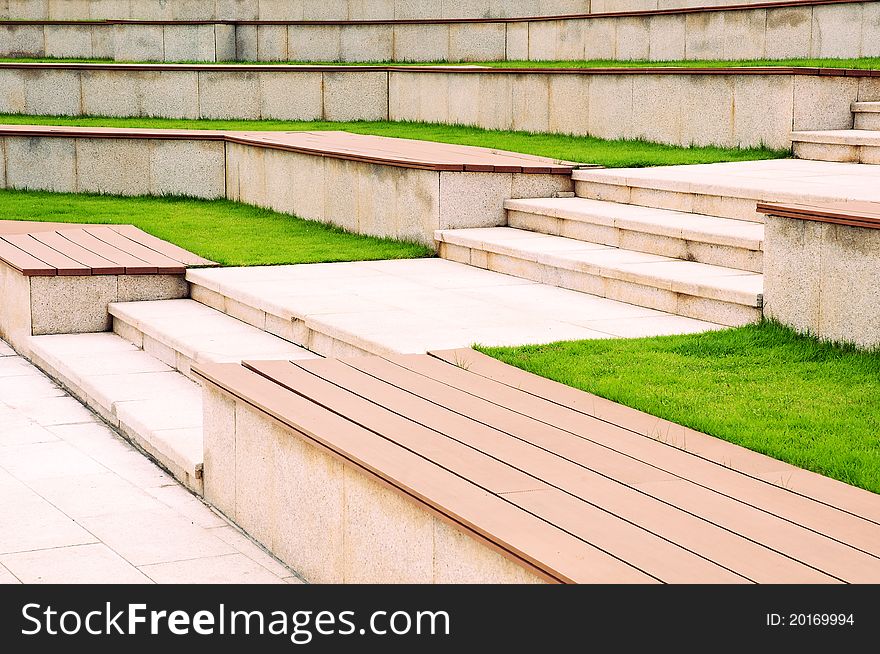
(80, 505)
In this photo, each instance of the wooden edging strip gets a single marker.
(850, 214)
(462, 70)
(446, 21)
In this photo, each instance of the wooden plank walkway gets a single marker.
(576, 487)
(61, 249)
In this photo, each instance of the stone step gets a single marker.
(156, 407)
(866, 115)
(676, 234)
(844, 145)
(730, 190)
(687, 288)
(181, 332)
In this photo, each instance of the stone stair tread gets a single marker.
(204, 334)
(839, 137)
(159, 408)
(690, 277)
(664, 222)
(866, 107)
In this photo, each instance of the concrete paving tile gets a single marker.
(226, 569)
(16, 367)
(96, 494)
(80, 564)
(6, 577)
(663, 325)
(52, 411)
(38, 524)
(47, 460)
(5, 350)
(29, 386)
(250, 549)
(24, 433)
(187, 505)
(158, 536)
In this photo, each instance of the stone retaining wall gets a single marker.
(726, 107)
(837, 30)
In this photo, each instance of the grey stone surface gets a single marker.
(633, 38)
(667, 38)
(68, 41)
(291, 96)
(764, 109)
(355, 96)
(148, 288)
(272, 43)
(12, 91)
(313, 43)
(43, 164)
(71, 305)
(366, 43)
(789, 31)
(824, 103)
(421, 42)
(837, 29)
(15, 296)
(744, 34)
(229, 95)
(476, 42)
(219, 439)
(224, 39)
(707, 110)
(22, 41)
(139, 42)
(792, 272)
(611, 106)
(175, 94)
(189, 43)
(705, 35)
(55, 94)
(114, 166)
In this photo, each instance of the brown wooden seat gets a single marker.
(851, 213)
(58, 249)
(573, 488)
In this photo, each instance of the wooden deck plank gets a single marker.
(829, 511)
(520, 534)
(586, 474)
(165, 248)
(132, 264)
(633, 544)
(24, 262)
(98, 264)
(164, 265)
(63, 264)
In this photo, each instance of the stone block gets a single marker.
(764, 109)
(569, 104)
(473, 199)
(28, 9)
(15, 297)
(314, 42)
(870, 30)
(109, 9)
(46, 164)
(291, 96)
(54, 94)
(190, 43)
(71, 305)
(421, 42)
(246, 47)
(67, 41)
(68, 9)
(708, 110)
(325, 9)
(279, 10)
(229, 95)
(371, 9)
(530, 102)
(460, 558)
(12, 91)
(173, 94)
(517, 41)
(793, 272)
(272, 43)
(462, 97)
(789, 32)
(113, 166)
(666, 38)
(192, 168)
(824, 102)
(611, 106)
(705, 35)
(656, 108)
(255, 472)
(600, 38)
(139, 42)
(744, 34)
(239, 9)
(225, 43)
(388, 537)
(307, 502)
(103, 41)
(633, 38)
(543, 36)
(476, 41)
(837, 30)
(219, 439)
(355, 96)
(366, 43)
(148, 288)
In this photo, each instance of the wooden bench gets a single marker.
(58, 278)
(565, 485)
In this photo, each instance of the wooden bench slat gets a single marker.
(62, 263)
(164, 265)
(736, 551)
(633, 544)
(132, 264)
(817, 502)
(520, 534)
(98, 264)
(23, 262)
(164, 248)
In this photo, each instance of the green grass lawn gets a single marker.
(581, 149)
(227, 232)
(864, 63)
(815, 405)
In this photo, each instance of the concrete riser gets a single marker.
(717, 255)
(866, 120)
(864, 154)
(701, 308)
(711, 205)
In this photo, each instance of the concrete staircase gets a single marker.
(138, 378)
(686, 249)
(858, 145)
